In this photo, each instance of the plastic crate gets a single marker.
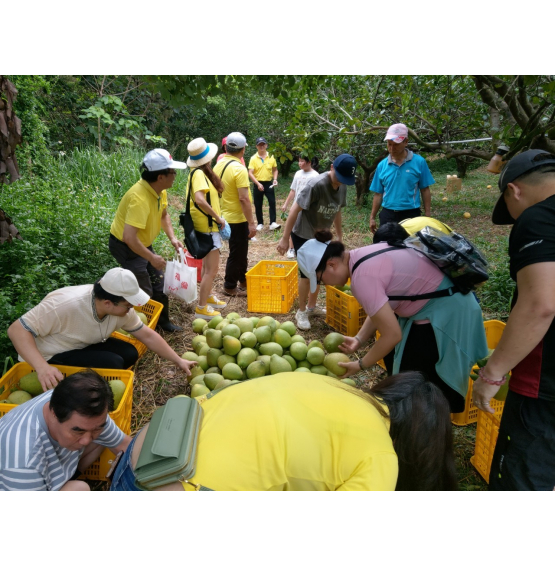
(487, 432)
(194, 263)
(271, 287)
(152, 311)
(121, 416)
(494, 331)
(343, 312)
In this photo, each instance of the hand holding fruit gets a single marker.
(49, 377)
(352, 368)
(349, 345)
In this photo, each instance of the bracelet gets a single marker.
(358, 339)
(492, 382)
(360, 364)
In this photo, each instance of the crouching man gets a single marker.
(48, 441)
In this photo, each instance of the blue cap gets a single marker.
(345, 166)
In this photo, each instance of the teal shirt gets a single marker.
(459, 331)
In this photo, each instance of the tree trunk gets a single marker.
(10, 132)
(285, 167)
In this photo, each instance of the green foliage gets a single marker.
(444, 166)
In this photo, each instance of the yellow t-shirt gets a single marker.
(142, 208)
(412, 226)
(235, 177)
(201, 183)
(262, 168)
(293, 431)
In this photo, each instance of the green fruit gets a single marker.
(222, 324)
(212, 380)
(198, 325)
(315, 355)
(225, 359)
(125, 333)
(232, 316)
(304, 364)
(265, 359)
(222, 384)
(213, 370)
(332, 375)
(313, 344)
(282, 338)
(302, 369)
(501, 394)
(118, 389)
(18, 397)
(197, 380)
(271, 348)
(298, 339)
(256, 369)
(231, 330)
(245, 357)
(231, 345)
(143, 317)
(244, 324)
(279, 364)
(30, 383)
(349, 381)
(232, 371)
(212, 356)
(203, 351)
(291, 361)
(254, 321)
(214, 338)
(332, 342)
(319, 370)
(181, 396)
(248, 340)
(196, 371)
(267, 321)
(190, 356)
(215, 321)
(199, 390)
(289, 327)
(331, 362)
(198, 342)
(298, 351)
(263, 334)
(203, 362)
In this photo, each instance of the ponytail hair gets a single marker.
(421, 431)
(392, 233)
(214, 179)
(335, 249)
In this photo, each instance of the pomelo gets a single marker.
(203, 362)
(244, 324)
(212, 380)
(231, 330)
(271, 348)
(349, 381)
(198, 342)
(248, 340)
(222, 384)
(267, 321)
(231, 345)
(298, 339)
(254, 321)
(279, 364)
(197, 380)
(291, 361)
(315, 355)
(199, 390)
(302, 369)
(245, 357)
(225, 359)
(282, 338)
(222, 324)
(203, 350)
(215, 321)
(232, 316)
(298, 351)
(196, 371)
(304, 364)
(190, 356)
(232, 371)
(315, 343)
(265, 359)
(289, 327)
(263, 334)
(30, 383)
(214, 338)
(256, 369)
(213, 370)
(332, 342)
(212, 356)
(142, 317)
(118, 389)
(198, 325)
(319, 369)
(331, 360)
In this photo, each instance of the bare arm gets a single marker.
(376, 204)
(337, 225)
(427, 200)
(166, 223)
(25, 345)
(290, 197)
(131, 238)
(366, 332)
(283, 244)
(246, 207)
(275, 174)
(255, 181)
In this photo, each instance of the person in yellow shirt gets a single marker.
(205, 188)
(301, 431)
(263, 173)
(139, 216)
(237, 209)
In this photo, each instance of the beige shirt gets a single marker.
(66, 320)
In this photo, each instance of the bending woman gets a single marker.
(441, 337)
(297, 431)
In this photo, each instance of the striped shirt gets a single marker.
(30, 459)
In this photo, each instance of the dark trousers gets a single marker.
(389, 215)
(524, 456)
(111, 354)
(258, 198)
(150, 279)
(237, 262)
(421, 354)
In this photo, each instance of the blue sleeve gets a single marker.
(426, 178)
(376, 185)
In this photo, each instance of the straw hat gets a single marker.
(200, 152)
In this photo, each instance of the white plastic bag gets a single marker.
(180, 279)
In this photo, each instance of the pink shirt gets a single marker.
(399, 272)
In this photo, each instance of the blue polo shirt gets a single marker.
(401, 184)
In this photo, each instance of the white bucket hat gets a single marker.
(200, 152)
(123, 283)
(309, 255)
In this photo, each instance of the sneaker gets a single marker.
(291, 253)
(316, 311)
(215, 302)
(302, 320)
(253, 239)
(260, 227)
(207, 312)
(274, 226)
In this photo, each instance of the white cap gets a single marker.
(159, 159)
(123, 283)
(309, 255)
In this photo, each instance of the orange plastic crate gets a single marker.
(271, 287)
(121, 416)
(343, 312)
(487, 432)
(152, 311)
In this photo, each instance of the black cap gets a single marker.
(260, 141)
(521, 164)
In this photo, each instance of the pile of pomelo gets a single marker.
(239, 348)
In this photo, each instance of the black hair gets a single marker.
(335, 249)
(84, 392)
(392, 233)
(152, 176)
(233, 151)
(421, 430)
(101, 293)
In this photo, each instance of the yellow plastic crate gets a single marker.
(152, 311)
(121, 416)
(271, 287)
(343, 312)
(487, 432)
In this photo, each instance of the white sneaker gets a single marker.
(291, 253)
(275, 225)
(260, 227)
(302, 320)
(254, 239)
(316, 311)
